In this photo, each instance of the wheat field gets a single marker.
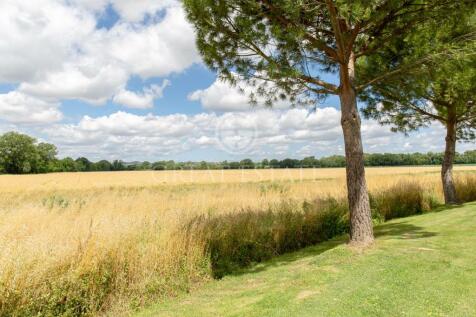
(58, 231)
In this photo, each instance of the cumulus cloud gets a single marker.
(37, 37)
(140, 100)
(148, 50)
(256, 134)
(16, 107)
(119, 125)
(221, 96)
(54, 51)
(87, 80)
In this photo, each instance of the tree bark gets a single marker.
(361, 230)
(449, 189)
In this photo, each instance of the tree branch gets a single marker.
(429, 114)
(281, 19)
(341, 47)
(327, 88)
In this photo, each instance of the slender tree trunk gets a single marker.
(361, 231)
(447, 166)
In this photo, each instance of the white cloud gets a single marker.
(135, 11)
(96, 6)
(87, 80)
(123, 135)
(37, 37)
(53, 50)
(140, 100)
(16, 107)
(126, 124)
(205, 140)
(221, 96)
(151, 50)
(256, 134)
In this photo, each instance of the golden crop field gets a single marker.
(54, 228)
(75, 181)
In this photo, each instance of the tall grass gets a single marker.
(238, 239)
(466, 188)
(106, 250)
(402, 200)
(137, 268)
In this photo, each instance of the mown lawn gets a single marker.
(419, 266)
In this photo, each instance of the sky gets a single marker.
(121, 79)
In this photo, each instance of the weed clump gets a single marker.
(401, 200)
(466, 188)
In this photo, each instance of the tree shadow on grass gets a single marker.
(397, 230)
(400, 230)
(287, 258)
(406, 230)
(444, 207)
(403, 230)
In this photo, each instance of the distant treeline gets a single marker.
(386, 159)
(21, 154)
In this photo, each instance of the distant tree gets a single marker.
(144, 166)
(117, 165)
(46, 155)
(158, 166)
(438, 90)
(102, 165)
(247, 164)
(265, 163)
(309, 162)
(333, 161)
(468, 157)
(234, 165)
(131, 166)
(274, 163)
(170, 165)
(224, 165)
(281, 47)
(67, 165)
(83, 164)
(289, 163)
(203, 165)
(18, 153)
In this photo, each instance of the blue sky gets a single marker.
(174, 100)
(120, 79)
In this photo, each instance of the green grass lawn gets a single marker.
(419, 266)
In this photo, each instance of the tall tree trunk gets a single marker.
(447, 166)
(361, 231)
